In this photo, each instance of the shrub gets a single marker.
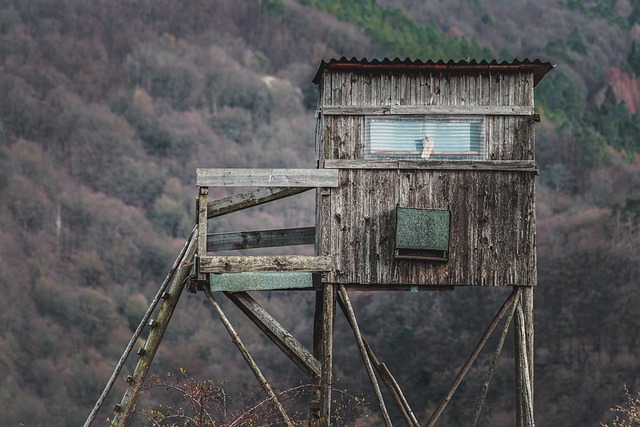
(628, 414)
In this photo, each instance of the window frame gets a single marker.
(477, 128)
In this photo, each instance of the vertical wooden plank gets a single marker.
(326, 359)
(524, 360)
(366, 89)
(202, 226)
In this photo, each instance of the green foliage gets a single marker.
(272, 7)
(634, 58)
(397, 34)
(559, 97)
(631, 207)
(615, 124)
(576, 41)
(601, 9)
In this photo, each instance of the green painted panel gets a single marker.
(262, 281)
(422, 229)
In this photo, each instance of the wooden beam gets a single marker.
(237, 264)
(475, 110)
(492, 366)
(249, 199)
(170, 300)
(286, 342)
(266, 178)
(326, 360)
(478, 165)
(474, 354)
(188, 247)
(396, 392)
(347, 308)
(247, 357)
(261, 239)
(393, 387)
(524, 359)
(202, 227)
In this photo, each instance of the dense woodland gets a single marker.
(107, 107)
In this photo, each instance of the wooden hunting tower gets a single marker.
(436, 172)
(424, 181)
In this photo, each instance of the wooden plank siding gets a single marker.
(344, 89)
(492, 235)
(492, 227)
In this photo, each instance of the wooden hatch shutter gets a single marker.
(422, 234)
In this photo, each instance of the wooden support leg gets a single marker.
(485, 337)
(314, 406)
(320, 408)
(247, 357)
(277, 333)
(345, 304)
(139, 329)
(171, 297)
(524, 359)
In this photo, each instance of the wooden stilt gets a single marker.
(492, 365)
(524, 360)
(394, 388)
(472, 358)
(171, 296)
(326, 359)
(138, 331)
(347, 308)
(314, 405)
(247, 357)
(290, 346)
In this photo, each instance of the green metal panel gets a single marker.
(422, 233)
(262, 281)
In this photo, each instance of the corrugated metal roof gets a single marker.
(539, 68)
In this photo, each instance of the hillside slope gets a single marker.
(109, 106)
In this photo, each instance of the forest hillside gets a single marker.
(107, 107)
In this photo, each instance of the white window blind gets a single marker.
(425, 137)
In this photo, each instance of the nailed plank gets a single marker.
(276, 333)
(260, 239)
(488, 165)
(237, 264)
(266, 178)
(477, 110)
(250, 199)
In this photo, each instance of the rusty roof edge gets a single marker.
(539, 68)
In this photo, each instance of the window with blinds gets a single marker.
(425, 137)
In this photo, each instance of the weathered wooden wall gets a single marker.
(492, 210)
(492, 227)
